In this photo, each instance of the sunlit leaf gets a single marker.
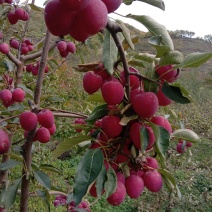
(156, 3)
(171, 57)
(35, 8)
(110, 52)
(194, 60)
(96, 97)
(155, 28)
(48, 167)
(185, 134)
(126, 33)
(156, 42)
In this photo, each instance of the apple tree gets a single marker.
(125, 136)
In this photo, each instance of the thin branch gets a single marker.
(33, 194)
(69, 112)
(114, 28)
(38, 54)
(140, 76)
(69, 115)
(42, 66)
(13, 59)
(11, 117)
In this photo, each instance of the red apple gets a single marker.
(46, 118)
(28, 120)
(4, 142)
(145, 104)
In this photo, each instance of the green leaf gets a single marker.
(98, 113)
(128, 2)
(171, 57)
(155, 28)
(162, 140)
(156, 42)
(109, 53)
(194, 60)
(156, 3)
(146, 58)
(45, 198)
(96, 97)
(3, 64)
(43, 179)
(126, 33)
(68, 143)
(15, 156)
(10, 65)
(167, 176)
(144, 139)
(9, 164)
(111, 183)
(88, 170)
(35, 8)
(10, 194)
(15, 107)
(100, 181)
(48, 167)
(185, 134)
(176, 92)
(55, 99)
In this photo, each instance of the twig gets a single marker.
(114, 28)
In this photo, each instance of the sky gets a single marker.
(191, 15)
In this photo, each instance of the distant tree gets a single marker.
(208, 38)
(181, 34)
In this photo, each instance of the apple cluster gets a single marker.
(25, 46)
(121, 141)
(60, 200)
(134, 183)
(45, 118)
(17, 14)
(6, 1)
(65, 48)
(182, 146)
(4, 142)
(33, 68)
(11, 96)
(80, 19)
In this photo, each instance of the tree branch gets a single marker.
(27, 147)
(38, 54)
(114, 28)
(14, 59)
